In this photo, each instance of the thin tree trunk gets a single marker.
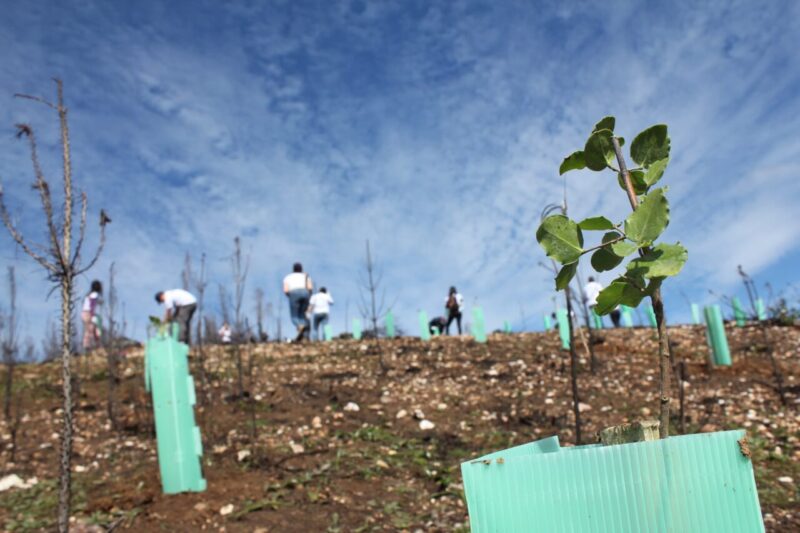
(573, 370)
(65, 473)
(658, 309)
(7, 391)
(664, 367)
(681, 396)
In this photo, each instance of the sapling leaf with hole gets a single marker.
(562, 239)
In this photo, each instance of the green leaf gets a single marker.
(596, 223)
(619, 292)
(606, 123)
(649, 220)
(624, 248)
(637, 180)
(604, 258)
(651, 145)
(609, 298)
(561, 239)
(662, 261)
(565, 275)
(655, 171)
(599, 150)
(573, 161)
(632, 296)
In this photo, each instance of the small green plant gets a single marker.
(562, 238)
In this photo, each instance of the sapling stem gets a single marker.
(658, 309)
(573, 369)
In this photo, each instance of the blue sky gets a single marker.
(434, 129)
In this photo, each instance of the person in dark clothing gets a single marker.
(437, 325)
(453, 303)
(615, 316)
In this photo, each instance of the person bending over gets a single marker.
(179, 307)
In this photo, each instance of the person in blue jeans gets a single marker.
(320, 308)
(297, 286)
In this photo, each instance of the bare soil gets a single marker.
(292, 456)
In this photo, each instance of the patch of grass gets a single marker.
(250, 506)
(34, 509)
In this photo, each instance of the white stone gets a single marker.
(402, 413)
(785, 479)
(426, 425)
(11, 481)
(316, 422)
(241, 455)
(352, 406)
(226, 510)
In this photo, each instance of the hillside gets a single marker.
(326, 441)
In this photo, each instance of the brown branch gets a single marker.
(103, 221)
(626, 175)
(81, 232)
(68, 202)
(43, 188)
(603, 245)
(35, 99)
(19, 239)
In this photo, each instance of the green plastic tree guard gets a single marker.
(738, 312)
(389, 323)
(626, 316)
(687, 483)
(651, 316)
(696, 314)
(563, 328)
(478, 325)
(548, 325)
(435, 331)
(328, 331)
(506, 327)
(721, 354)
(598, 320)
(180, 448)
(356, 329)
(424, 332)
(761, 311)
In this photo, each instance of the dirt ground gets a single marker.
(324, 440)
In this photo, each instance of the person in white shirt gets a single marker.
(179, 307)
(297, 287)
(592, 291)
(225, 333)
(320, 308)
(90, 316)
(454, 304)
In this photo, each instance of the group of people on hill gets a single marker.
(308, 310)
